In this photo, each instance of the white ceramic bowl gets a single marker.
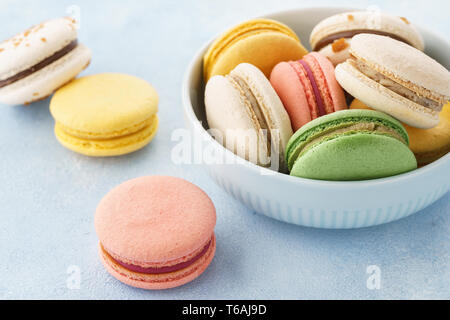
(320, 204)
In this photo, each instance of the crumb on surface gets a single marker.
(87, 65)
(339, 45)
(1, 49)
(35, 94)
(351, 17)
(405, 20)
(71, 19)
(39, 27)
(43, 40)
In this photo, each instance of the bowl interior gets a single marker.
(302, 21)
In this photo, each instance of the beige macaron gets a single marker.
(395, 78)
(247, 116)
(38, 61)
(332, 36)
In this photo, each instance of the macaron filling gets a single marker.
(250, 98)
(322, 83)
(40, 65)
(162, 269)
(367, 127)
(396, 87)
(254, 108)
(351, 33)
(107, 142)
(307, 87)
(121, 133)
(317, 95)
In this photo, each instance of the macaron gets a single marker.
(393, 77)
(261, 42)
(428, 145)
(308, 88)
(40, 60)
(107, 114)
(156, 232)
(350, 145)
(246, 112)
(332, 37)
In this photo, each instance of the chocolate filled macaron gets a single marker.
(40, 60)
(332, 37)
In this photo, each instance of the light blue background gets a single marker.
(48, 194)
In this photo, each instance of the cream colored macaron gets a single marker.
(248, 117)
(40, 60)
(332, 36)
(106, 114)
(395, 78)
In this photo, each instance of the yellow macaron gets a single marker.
(428, 145)
(261, 42)
(105, 115)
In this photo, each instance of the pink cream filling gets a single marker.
(168, 269)
(315, 87)
(307, 87)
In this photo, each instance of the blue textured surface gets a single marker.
(48, 194)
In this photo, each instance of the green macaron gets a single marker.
(350, 145)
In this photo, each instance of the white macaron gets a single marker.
(395, 78)
(248, 117)
(40, 60)
(332, 36)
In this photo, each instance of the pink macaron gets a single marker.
(308, 88)
(156, 232)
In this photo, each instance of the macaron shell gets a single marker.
(102, 103)
(432, 144)
(339, 56)
(109, 147)
(321, 83)
(238, 32)
(44, 82)
(271, 105)
(372, 20)
(380, 98)
(292, 93)
(428, 145)
(263, 49)
(335, 120)
(359, 156)
(404, 64)
(293, 86)
(154, 219)
(230, 121)
(159, 281)
(34, 45)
